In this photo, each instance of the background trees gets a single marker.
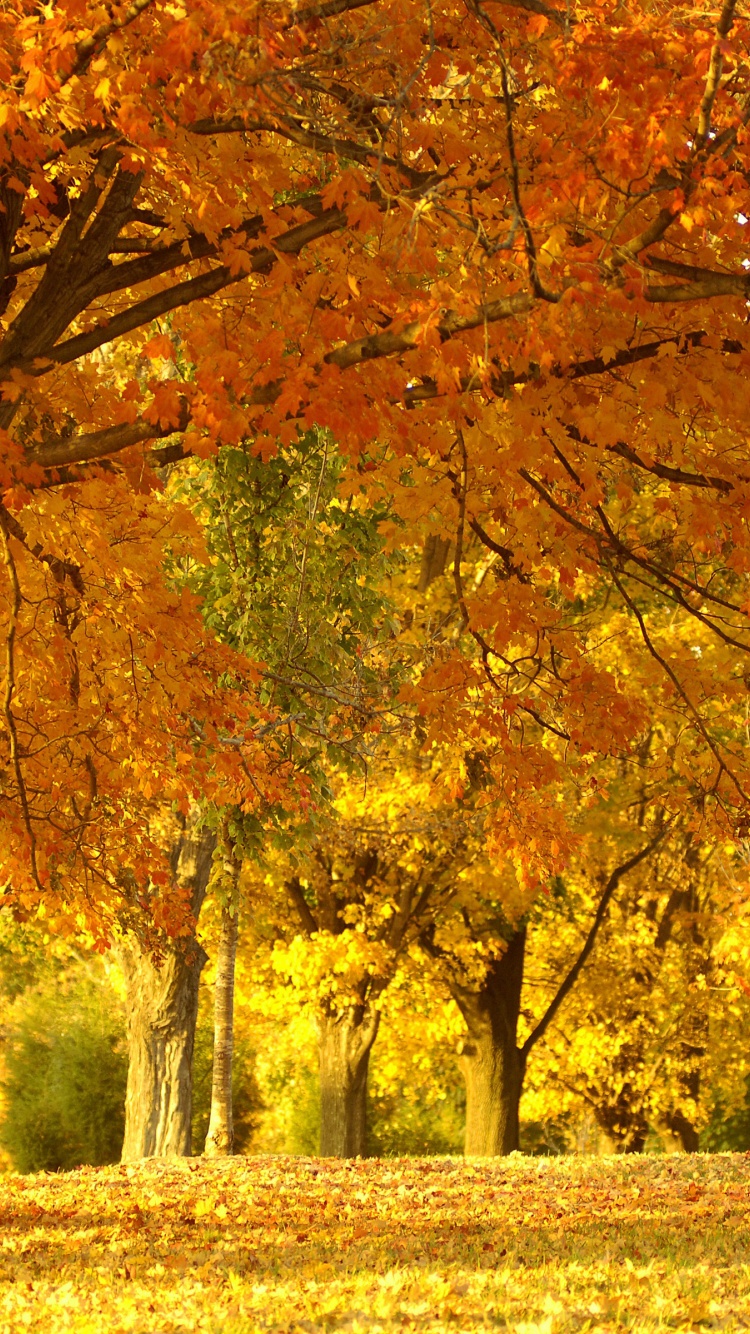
(498, 257)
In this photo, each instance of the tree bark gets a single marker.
(163, 1007)
(220, 1137)
(493, 1065)
(345, 1043)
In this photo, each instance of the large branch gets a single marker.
(388, 344)
(571, 977)
(703, 289)
(713, 77)
(90, 46)
(94, 445)
(261, 260)
(294, 889)
(63, 451)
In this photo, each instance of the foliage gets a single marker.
(64, 1073)
(298, 580)
(642, 1041)
(500, 256)
(535, 1246)
(415, 1086)
(728, 1131)
(124, 711)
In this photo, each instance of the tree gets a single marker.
(162, 1012)
(482, 963)
(643, 1043)
(342, 913)
(328, 673)
(220, 1133)
(482, 227)
(471, 246)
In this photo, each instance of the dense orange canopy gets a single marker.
(498, 248)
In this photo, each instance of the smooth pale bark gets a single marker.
(492, 1063)
(345, 1043)
(162, 1000)
(220, 1137)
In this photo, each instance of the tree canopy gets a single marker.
(497, 250)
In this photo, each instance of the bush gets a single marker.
(417, 1123)
(65, 1074)
(728, 1132)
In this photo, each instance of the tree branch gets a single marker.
(14, 611)
(713, 77)
(571, 977)
(388, 344)
(294, 888)
(680, 689)
(208, 284)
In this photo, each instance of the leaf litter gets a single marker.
(284, 1245)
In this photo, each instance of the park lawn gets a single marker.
(305, 1244)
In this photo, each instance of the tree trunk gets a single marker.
(162, 998)
(493, 1066)
(220, 1137)
(345, 1043)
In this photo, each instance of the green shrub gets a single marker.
(65, 1074)
(728, 1132)
(416, 1120)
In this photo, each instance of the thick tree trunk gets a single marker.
(493, 1065)
(494, 1080)
(162, 1011)
(345, 1043)
(220, 1137)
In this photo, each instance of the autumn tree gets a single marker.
(504, 220)
(504, 242)
(296, 577)
(642, 1045)
(341, 913)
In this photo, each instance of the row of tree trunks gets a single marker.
(163, 1004)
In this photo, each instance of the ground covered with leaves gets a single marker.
(304, 1244)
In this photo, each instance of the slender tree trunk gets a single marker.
(220, 1137)
(163, 1007)
(493, 1065)
(345, 1043)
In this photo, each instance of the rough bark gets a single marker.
(220, 1137)
(493, 1064)
(345, 1043)
(162, 1010)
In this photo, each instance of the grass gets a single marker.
(536, 1246)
